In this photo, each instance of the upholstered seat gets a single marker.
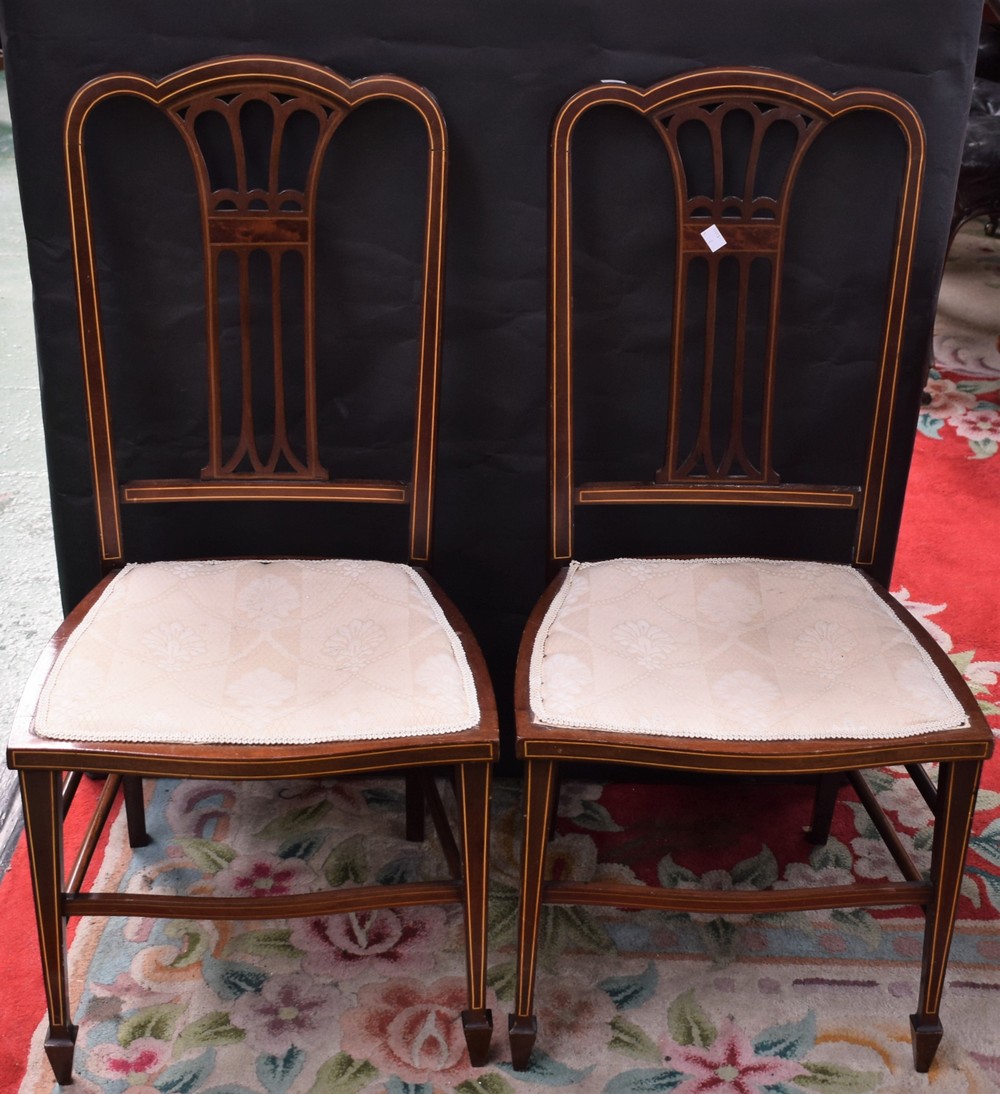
(732, 649)
(254, 652)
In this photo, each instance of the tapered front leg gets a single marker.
(540, 782)
(472, 785)
(41, 802)
(956, 803)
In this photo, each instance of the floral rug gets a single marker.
(627, 1001)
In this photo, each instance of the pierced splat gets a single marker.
(257, 130)
(250, 206)
(730, 244)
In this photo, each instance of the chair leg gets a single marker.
(540, 782)
(415, 806)
(827, 786)
(957, 785)
(135, 811)
(40, 801)
(472, 786)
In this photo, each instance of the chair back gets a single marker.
(260, 239)
(736, 140)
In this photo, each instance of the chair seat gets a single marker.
(732, 649)
(253, 652)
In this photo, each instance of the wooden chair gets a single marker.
(734, 665)
(257, 668)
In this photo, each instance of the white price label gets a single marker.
(714, 238)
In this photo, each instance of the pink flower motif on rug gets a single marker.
(981, 424)
(288, 1010)
(383, 942)
(263, 875)
(728, 1064)
(961, 405)
(947, 400)
(141, 1059)
(410, 1030)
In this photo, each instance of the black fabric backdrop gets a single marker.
(499, 69)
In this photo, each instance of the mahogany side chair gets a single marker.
(259, 668)
(734, 665)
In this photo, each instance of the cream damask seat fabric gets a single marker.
(732, 649)
(252, 652)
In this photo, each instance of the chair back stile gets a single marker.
(259, 461)
(748, 229)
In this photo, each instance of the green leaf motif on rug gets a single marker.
(631, 991)
(970, 890)
(549, 1072)
(296, 822)
(991, 883)
(836, 1079)
(982, 449)
(397, 1086)
(832, 855)
(213, 1030)
(987, 843)
(400, 871)
(502, 979)
(230, 979)
(270, 942)
(208, 855)
(595, 818)
(502, 924)
(157, 1022)
(490, 1083)
(721, 939)
(569, 928)
(384, 798)
(930, 426)
(689, 1024)
(860, 923)
(790, 1041)
(673, 876)
(758, 872)
(186, 1076)
(194, 942)
(645, 1081)
(302, 847)
(347, 862)
(343, 1075)
(630, 1040)
(879, 781)
(277, 1073)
